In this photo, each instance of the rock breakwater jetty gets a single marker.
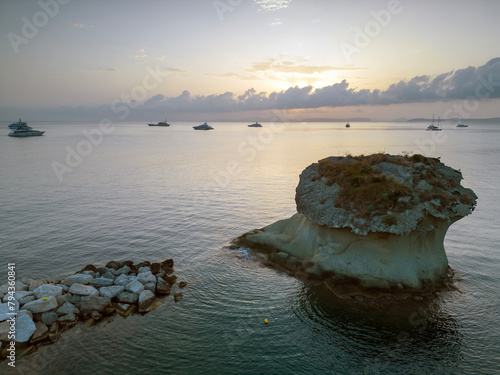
(44, 309)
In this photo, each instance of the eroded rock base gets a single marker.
(373, 264)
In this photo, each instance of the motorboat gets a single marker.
(462, 126)
(161, 123)
(24, 132)
(15, 125)
(256, 125)
(434, 127)
(347, 125)
(204, 126)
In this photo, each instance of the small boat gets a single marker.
(22, 132)
(204, 126)
(18, 124)
(347, 125)
(462, 126)
(434, 127)
(161, 123)
(256, 125)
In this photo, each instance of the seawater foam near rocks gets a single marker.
(377, 221)
(46, 308)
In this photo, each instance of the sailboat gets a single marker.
(434, 127)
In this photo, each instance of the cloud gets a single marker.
(141, 54)
(472, 82)
(81, 25)
(275, 66)
(235, 75)
(276, 22)
(272, 5)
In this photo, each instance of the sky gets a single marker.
(208, 60)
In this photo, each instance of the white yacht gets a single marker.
(26, 132)
(161, 123)
(204, 126)
(15, 125)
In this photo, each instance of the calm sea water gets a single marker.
(148, 193)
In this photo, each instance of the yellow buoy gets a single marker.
(266, 321)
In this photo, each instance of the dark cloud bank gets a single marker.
(474, 83)
(481, 82)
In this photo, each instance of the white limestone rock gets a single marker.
(49, 317)
(125, 270)
(122, 280)
(375, 260)
(61, 300)
(41, 305)
(150, 286)
(134, 287)
(94, 303)
(101, 281)
(146, 299)
(26, 299)
(47, 290)
(388, 233)
(67, 319)
(67, 308)
(143, 269)
(90, 272)
(83, 290)
(146, 277)
(316, 198)
(127, 297)
(111, 291)
(25, 312)
(79, 278)
(18, 285)
(18, 295)
(108, 275)
(25, 327)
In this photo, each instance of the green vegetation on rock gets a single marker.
(362, 187)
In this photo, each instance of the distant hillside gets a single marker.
(456, 119)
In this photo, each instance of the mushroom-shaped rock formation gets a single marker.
(378, 220)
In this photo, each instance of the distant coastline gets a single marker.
(419, 119)
(491, 120)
